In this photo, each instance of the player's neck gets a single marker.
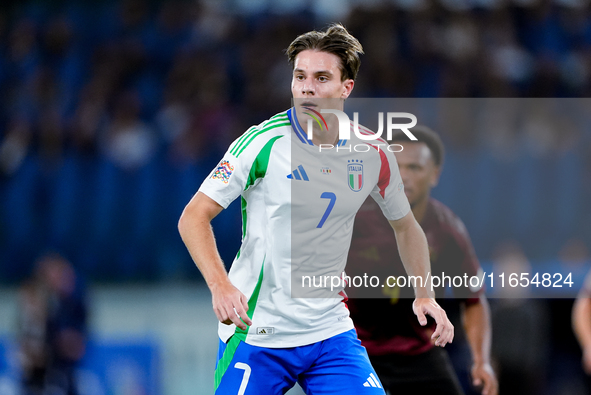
(419, 208)
(330, 136)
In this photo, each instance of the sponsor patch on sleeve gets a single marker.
(223, 172)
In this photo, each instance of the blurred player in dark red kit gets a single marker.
(399, 348)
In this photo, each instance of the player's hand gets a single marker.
(483, 376)
(230, 305)
(444, 331)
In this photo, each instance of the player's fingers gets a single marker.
(450, 333)
(236, 319)
(244, 309)
(437, 333)
(239, 316)
(440, 327)
(494, 387)
(448, 329)
(421, 317)
(222, 316)
(218, 312)
(241, 313)
(443, 333)
(478, 378)
(227, 315)
(488, 388)
(230, 306)
(441, 340)
(244, 302)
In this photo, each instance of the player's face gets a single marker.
(316, 75)
(418, 171)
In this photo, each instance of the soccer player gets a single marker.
(581, 320)
(269, 339)
(400, 350)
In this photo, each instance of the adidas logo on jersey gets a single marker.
(267, 330)
(299, 174)
(372, 381)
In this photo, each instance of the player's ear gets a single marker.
(347, 88)
(435, 176)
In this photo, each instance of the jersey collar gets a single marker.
(302, 135)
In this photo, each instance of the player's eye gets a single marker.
(322, 78)
(299, 77)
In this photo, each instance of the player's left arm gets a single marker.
(476, 311)
(414, 252)
(476, 320)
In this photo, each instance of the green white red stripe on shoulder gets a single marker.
(276, 121)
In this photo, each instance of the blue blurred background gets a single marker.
(113, 112)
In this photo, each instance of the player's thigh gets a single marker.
(243, 369)
(342, 367)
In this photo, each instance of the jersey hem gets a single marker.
(284, 342)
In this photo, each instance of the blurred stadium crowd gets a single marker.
(113, 112)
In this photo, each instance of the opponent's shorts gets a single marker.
(338, 365)
(428, 373)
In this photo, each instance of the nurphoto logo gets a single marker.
(345, 128)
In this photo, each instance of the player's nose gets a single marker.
(308, 89)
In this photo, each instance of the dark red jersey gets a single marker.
(383, 316)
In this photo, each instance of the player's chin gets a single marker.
(411, 197)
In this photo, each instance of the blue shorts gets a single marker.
(338, 365)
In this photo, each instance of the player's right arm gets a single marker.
(229, 304)
(239, 170)
(412, 246)
(414, 253)
(581, 320)
(476, 319)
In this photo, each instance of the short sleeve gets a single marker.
(230, 177)
(243, 165)
(389, 190)
(226, 181)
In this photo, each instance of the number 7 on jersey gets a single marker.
(333, 199)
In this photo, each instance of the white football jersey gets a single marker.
(298, 207)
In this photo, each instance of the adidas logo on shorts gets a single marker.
(372, 381)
